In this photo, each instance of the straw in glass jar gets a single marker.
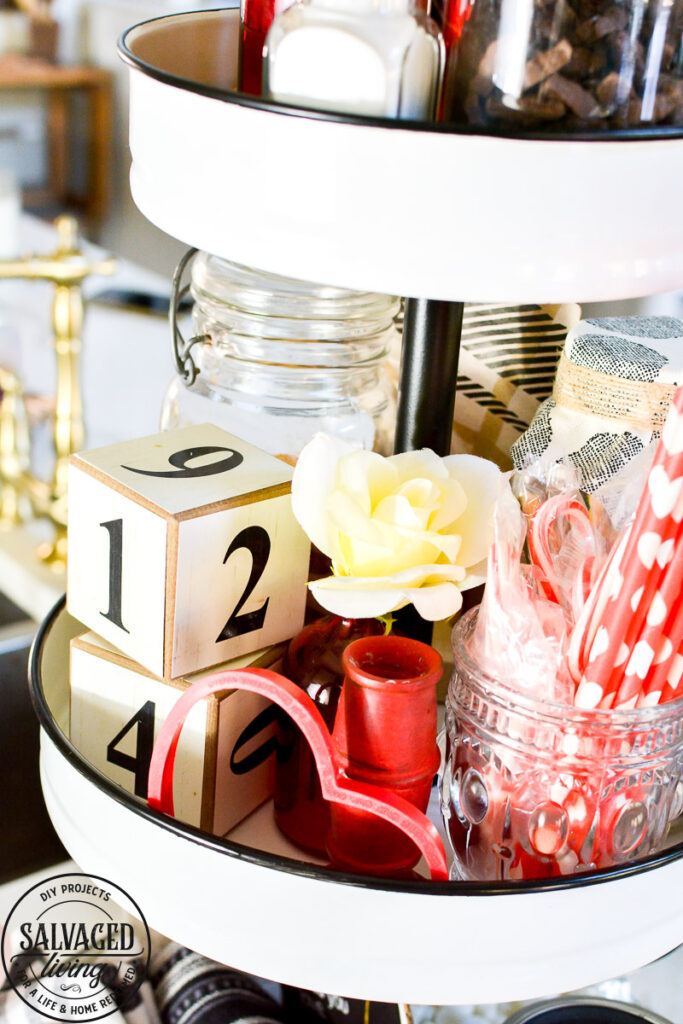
(647, 553)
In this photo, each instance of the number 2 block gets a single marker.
(183, 549)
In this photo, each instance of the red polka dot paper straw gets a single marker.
(664, 678)
(648, 550)
(659, 639)
(673, 687)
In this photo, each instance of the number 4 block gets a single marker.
(183, 549)
(225, 757)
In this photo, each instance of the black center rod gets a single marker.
(429, 373)
(426, 397)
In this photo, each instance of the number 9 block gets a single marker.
(183, 550)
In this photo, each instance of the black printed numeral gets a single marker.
(137, 763)
(256, 540)
(247, 763)
(184, 472)
(115, 530)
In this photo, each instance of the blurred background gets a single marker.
(76, 33)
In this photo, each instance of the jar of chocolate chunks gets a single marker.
(564, 66)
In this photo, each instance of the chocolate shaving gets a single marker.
(607, 89)
(585, 63)
(614, 20)
(545, 64)
(528, 110)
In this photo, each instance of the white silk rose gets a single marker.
(407, 529)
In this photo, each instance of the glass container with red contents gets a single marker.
(536, 789)
(313, 661)
(256, 18)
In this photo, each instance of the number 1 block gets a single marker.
(183, 549)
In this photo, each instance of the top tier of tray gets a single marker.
(412, 209)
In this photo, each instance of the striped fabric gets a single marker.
(508, 358)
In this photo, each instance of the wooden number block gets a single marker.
(225, 760)
(183, 549)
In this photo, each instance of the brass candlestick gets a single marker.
(67, 268)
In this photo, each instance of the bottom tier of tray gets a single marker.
(245, 901)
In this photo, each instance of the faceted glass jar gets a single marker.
(533, 789)
(564, 65)
(284, 359)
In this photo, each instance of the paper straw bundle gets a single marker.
(627, 648)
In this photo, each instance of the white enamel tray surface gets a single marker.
(367, 204)
(309, 926)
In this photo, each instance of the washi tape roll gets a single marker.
(614, 385)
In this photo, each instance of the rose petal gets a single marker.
(346, 515)
(367, 477)
(313, 481)
(401, 553)
(422, 493)
(397, 510)
(480, 480)
(367, 597)
(452, 504)
(358, 604)
(476, 575)
(436, 603)
(423, 463)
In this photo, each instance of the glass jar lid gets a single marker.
(252, 302)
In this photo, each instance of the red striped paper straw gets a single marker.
(649, 546)
(583, 634)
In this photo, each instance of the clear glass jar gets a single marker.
(533, 789)
(564, 65)
(373, 57)
(284, 359)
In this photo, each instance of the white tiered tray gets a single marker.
(307, 925)
(404, 208)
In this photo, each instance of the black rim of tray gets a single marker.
(652, 132)
(279, 863)
(583, 1010)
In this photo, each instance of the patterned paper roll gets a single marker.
(614, 385)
